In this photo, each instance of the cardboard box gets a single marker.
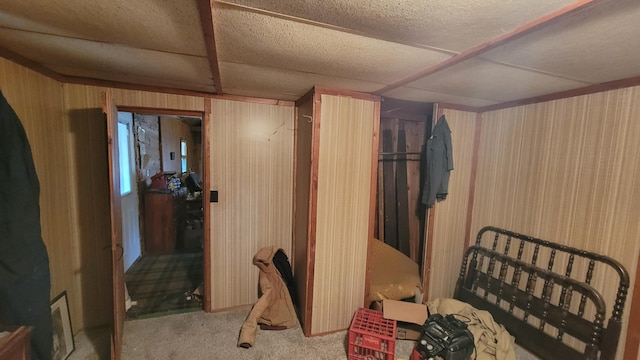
(409, 316)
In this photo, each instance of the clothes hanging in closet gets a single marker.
(439, 163)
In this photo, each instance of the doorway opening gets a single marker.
(161, 165)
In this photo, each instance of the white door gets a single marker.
(128, 190)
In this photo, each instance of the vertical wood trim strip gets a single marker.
(294, 197)
(372, 204)
(472, 181)
(313, 212)
(632, 342)
(206, 162)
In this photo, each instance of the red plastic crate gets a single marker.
(371, 336)
(415, 355)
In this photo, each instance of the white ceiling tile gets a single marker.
(152, 81)
(594, 46)
(258, 39)
(167, 25)
(485, 80)
(446, 24)
(413, 94)
(290, 85)
(105, 61)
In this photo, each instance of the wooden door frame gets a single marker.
(110, 116)
(204, 138)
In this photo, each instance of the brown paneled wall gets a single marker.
(67, 133)
(252, 169)
(565, 170)
(450, 214)
(347, 129)
(75, 265)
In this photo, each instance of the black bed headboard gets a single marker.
(542, 292)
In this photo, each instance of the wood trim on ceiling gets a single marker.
(517, 33)
(206, 19)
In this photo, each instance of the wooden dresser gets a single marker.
(165, 218)
(16, 345)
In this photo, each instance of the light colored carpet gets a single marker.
(200, 336)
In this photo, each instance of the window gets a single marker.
(183, 155)
(125, 158)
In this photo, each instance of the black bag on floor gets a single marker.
(445, 336)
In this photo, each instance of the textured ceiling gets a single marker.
(469, 52)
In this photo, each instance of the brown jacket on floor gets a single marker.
(274, 308)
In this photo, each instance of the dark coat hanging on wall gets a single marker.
(439, 163)
(24, 263)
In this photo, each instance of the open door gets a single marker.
(117, 267)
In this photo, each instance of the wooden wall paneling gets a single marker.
(566, 171)
(301, 227)
(39, 102)
(387, 125)
(344, 183)
(414, 138)
(449, 219)
(472, 181)
(155, 100)
(251, 167)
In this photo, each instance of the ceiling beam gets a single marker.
(517, 33)
(206, 19)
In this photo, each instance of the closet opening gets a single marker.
(398, 246)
